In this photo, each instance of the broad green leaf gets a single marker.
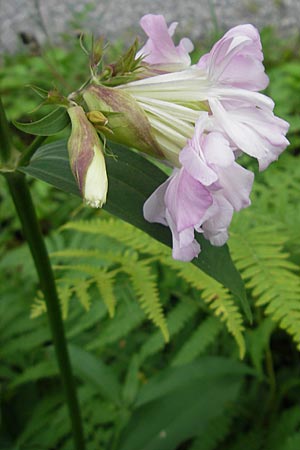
(132, 179)
(90, 368)
(49, 125)
(171, 379)
(131, 384)
(184, 409)
(85, 366)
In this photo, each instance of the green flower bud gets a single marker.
(87, 159)
(127, 122)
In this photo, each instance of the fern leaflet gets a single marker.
(270, 275)
(202, 337)
(139, 272)
(212, 293)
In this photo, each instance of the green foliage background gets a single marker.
(163, 356)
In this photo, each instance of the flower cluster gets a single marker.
(198, 118)
(203, 117)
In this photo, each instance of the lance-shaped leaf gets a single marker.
(132, 179)
(49, 125)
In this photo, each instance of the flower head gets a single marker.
(203, 117)
(199, 118)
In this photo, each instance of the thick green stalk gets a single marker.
(5, 143)
(26, 211)
(29, 152)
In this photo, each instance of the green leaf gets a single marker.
(183, 403)
(50, 163)
(90, 368)
(49, 125)
(131, 383)
(171, 379)
(132, 179)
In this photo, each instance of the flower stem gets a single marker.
(23, 202)
(5, 145)
(29, 152)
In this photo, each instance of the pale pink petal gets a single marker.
(183, 49)
(218, 220)
(196, 166)
(154, 207)
(217, 150)
(185, 247)
(160, 48)
(236, 185)
(236, 59)
(186, 200)
(258, 133)
(204, 151)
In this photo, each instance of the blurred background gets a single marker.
(46, 20)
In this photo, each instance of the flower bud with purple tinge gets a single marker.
(87, 158)
(127, 122)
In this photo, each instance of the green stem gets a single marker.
(5, 145)
(23, 202)
(29, 152)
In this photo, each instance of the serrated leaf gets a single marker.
(49, 125)
(132, 179)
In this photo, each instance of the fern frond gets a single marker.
(64, 294)
(38, 306)
(139, 272)
(103, 279)
(258, 254)
(216, 297)
(176, 320)
(105, 283)
(212, 292)
(197, 343)
(129, 236)
(76, 253)
(144, 284)
(81, 291)
(128, 317)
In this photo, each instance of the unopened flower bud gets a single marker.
(87, 159)
(127, 122)
(97, 118)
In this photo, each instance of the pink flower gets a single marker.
(235, 67)
(160, 49)
(208, 184)
(202, 195)
(201, 118)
